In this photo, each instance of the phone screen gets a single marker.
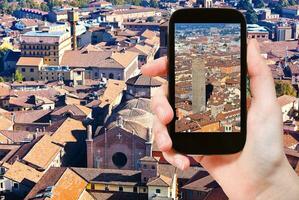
(207, 77)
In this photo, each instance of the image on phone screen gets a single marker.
(207, 77)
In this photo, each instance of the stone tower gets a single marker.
(198, 86)
(207, 3)
(73, 17)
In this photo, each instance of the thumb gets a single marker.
(261, 81)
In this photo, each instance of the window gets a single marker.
(31, 70)
(144, 166)
(31, 79)
(92, 186)
(106, 188)
(158, 191)
(153, 167)
(16, 186)
(1, 185)
(121, 189)
(144, 189)
(78, 73)
(144, 179)
(111, 75)
(23, 70)
(134, 189)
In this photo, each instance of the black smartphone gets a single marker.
(207, 80)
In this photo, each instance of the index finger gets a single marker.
(156, 68)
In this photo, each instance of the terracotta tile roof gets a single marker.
(289, 141)
(278, 48)
(5, 122)
(111, 176)
(43, 152)
(76, 110)
(141, 49)
(142, 80)
(148, 34)
(20, 102)
(125, 59)
(149, 159)
(7, 151)
(67, 184)
(113, 89)
(16, 136)
(48, 93)
(30, 116)
(30, 61)
(294, 68)
(31, 22)
(160, 181)
(201, 181)
(50, 178)
(291, 152)
(140, 103)
(129, 127)
(68, 130)
(286, 99)
(216, 193)
(62, 187)
(23, 150)
(101, 59)
(117, 195)
(4, 92)
(19, 172)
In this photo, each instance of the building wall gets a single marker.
(30, 127)
(116, 73)
(30, 73)
(52, 53)
(112, 187)
(164, 191)
(121, 17)
(131, 70)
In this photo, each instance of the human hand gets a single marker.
(261, 170)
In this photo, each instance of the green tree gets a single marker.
(244, 5)
(18, 76)
(2, 54)
(136, 2)
(292, 2)
(1, 79)
(259, 4)
(251, 17)
(44, 7)
(154, 3)
(277, 6)
(284, 88)
(4, 6)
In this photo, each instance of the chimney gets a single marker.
(149, 143)
(89, 147)
(35, 134)
(89, 132)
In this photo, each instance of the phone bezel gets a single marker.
(207, 143)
